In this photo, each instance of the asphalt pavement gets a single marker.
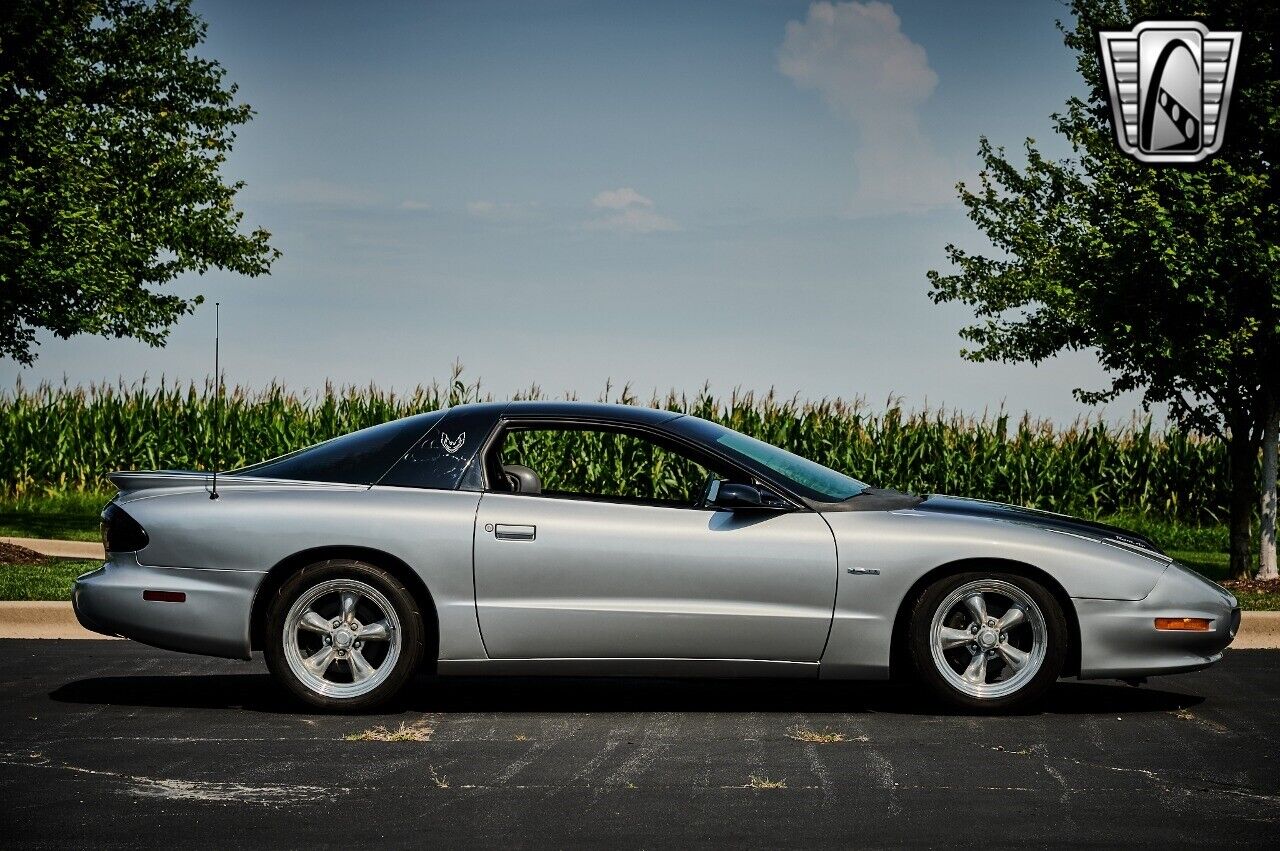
(109, 743)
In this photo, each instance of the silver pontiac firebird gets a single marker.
(581, 539)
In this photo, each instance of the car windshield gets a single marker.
(807, 478)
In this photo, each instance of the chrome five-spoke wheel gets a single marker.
(988, 638)
(988, 642)
(343, 634)
(342, 638)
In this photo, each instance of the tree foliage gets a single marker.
(1170, 274)
(113, 134)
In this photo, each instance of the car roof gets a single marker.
(624, 414)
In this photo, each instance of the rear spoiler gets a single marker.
(138, 480)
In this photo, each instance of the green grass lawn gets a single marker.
(51, 581)
(1258, 601)
(65, 516)
(1215, 565)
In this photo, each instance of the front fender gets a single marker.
(905, 546)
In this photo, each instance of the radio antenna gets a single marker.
(217, 393)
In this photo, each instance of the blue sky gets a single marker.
(563, 193)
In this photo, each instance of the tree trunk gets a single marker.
(1242, 456)
(1267, 545)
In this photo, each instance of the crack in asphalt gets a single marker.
(193, 790)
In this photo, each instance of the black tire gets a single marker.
(410, 647)
(926, 664)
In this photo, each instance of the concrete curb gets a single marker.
(22, 619)
(1258, 631)
(40, 619)
(60, 549)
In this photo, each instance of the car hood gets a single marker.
(960, 506)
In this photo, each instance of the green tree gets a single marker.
(112, 136)
(1171, 275)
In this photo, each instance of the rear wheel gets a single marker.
(343, 635)
(992, 642)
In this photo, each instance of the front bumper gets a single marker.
(213, 620)
(1118, 638)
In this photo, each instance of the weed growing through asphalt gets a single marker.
(759, 781)
(826, 737)
(406, 733)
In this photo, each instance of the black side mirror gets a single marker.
(732, 495)
(738, 496)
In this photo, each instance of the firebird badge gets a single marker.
(1170, 85)
(452, 446)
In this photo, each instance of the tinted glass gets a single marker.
(442, 456)
(360, 458)
(806, 478)
(606, 465)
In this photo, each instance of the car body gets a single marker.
(766, 574)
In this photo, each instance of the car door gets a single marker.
(584, 576)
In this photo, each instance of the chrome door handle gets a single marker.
(510, 532)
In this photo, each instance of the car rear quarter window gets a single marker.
(443, 456)
(360, 458)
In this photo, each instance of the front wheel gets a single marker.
(990, 642)
(343, 635)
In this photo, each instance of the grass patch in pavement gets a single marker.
(406, 733)
(759, 781)
(815, 737)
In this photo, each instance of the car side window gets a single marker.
(442, 458)
(359, 458)
(603, 464)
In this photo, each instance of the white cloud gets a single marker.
(620, 199)
(630, 212)
(314, 192)
(499, 211)
(866, 69)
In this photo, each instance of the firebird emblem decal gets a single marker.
(452, 446)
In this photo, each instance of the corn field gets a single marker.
(58, 438)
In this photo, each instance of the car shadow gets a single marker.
(260, 693)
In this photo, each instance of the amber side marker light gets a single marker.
(165, 596)
(1184, 624)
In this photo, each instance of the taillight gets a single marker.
(120, 532)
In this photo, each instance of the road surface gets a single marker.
(109, 744)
